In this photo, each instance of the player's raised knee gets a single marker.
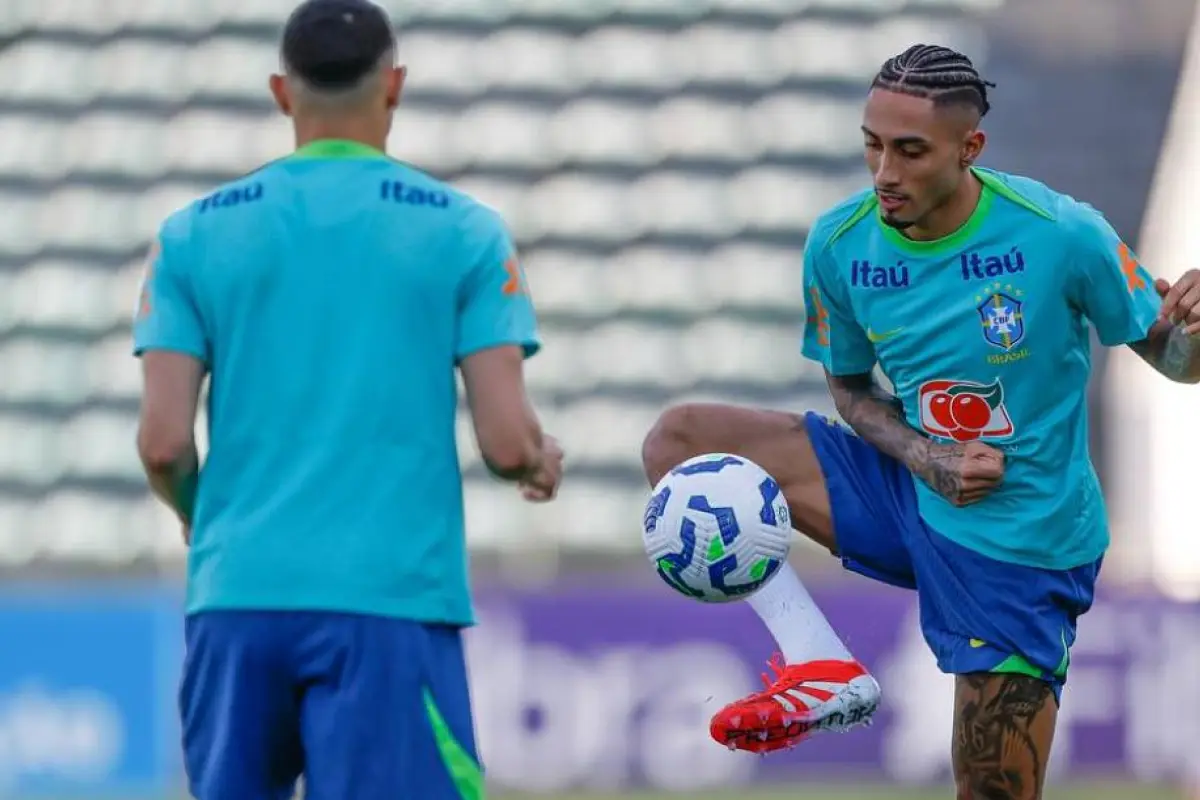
(692, 429)
(673, 438)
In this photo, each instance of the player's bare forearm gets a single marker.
(174, 482)
(507, 429)
(166, 439)
(1170, 350)
(878, 417)
(518, 471)
(518, 455)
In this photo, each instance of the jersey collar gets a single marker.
(952, 240)
(337, 148)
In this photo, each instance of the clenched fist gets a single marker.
(542, 486)
(963, 473)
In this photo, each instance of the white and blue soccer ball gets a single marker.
(717, 528)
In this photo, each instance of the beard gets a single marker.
(902, 224)
(897, 223)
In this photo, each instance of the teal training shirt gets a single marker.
(984, 335)
(331, 295)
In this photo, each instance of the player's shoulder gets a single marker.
(446, 195)
(175, 232)
(842, 219)
(245, 190)
(1069, 215)
(176, 227)
(471, 216)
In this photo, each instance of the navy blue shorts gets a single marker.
(363, 707)
(977, 614)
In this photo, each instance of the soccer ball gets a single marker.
(717, 528)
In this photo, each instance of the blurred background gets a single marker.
(660, 162)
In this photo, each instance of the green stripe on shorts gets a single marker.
(1017, 665)
(464, 771)
(1061, 672)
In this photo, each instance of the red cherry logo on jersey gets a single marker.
(971, 411)
(939, 409)
(965, 411)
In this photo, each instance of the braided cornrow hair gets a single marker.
(939, 73)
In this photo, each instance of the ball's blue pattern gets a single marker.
(727, 522)
(769, 490)
(701, 467)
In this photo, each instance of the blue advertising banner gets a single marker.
(596, 685)
(86, 682)
(603, 687)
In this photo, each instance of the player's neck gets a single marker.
(363, 131)
(952, 215)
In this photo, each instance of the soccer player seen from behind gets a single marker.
(975, 293)
(331, 295)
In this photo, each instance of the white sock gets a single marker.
(790, 614)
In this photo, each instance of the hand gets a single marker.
(542, 486)
(1181, 301)
(963, 473)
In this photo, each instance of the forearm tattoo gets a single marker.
(1003, 730)
(1172, 352)
(878, 417)
(1180, 356)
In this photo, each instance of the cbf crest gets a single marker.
(1003, 319)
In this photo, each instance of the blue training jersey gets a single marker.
(984, 335)
(331, 295)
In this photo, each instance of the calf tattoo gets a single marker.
(1003, 729)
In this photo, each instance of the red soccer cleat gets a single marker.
(802, 700)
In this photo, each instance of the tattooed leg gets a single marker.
(1003, 729)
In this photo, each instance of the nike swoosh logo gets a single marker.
(882, 337)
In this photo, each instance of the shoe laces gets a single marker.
(785, 674)
(773, 680)
(778, 667)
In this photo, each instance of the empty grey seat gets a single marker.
(659, 179)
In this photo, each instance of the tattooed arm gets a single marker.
(1170, 350)
(878, 417)
(1157, 319)
(961, 472)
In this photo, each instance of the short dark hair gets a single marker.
(333, 44)
(945, 76)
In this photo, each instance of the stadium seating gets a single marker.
(658, 160)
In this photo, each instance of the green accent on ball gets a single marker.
(664, 572)
(716, 549)
(759, 569)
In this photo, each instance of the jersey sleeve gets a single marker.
(167, 316)
(1108, 284)
(831, 334)
(495, 307)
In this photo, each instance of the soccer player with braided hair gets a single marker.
(974, 293)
